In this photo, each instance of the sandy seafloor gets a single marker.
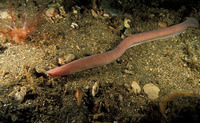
(27, 94)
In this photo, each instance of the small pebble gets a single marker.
(126, 22)
(128, 72)
(18, 93)
(75, 11)
(68, 58)
(51, 12)
(95, 89)
(94, 14)
(74, 25)
(79, 96)
(162, 24)
(106, 15)
(135, 87)
(151, 90)
(4, 14)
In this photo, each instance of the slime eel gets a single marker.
(110, 56)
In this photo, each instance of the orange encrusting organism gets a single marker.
(19, 34)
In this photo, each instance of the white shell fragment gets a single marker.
(51, 12)
(18, 93)
(68, 58)
(106, 15)
(126, 23)
(151, 90)
(79, 96)
(95, 88)
(74, 25)
(94, 14)
(4, 14)
(135, 87)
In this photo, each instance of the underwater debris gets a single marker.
(162, 24)
(66, 59)
(136, 89)
(127, 23)
(151, 90)
(17, 33)
(18, 93)
(79, 96)
(74, 25)
(51, 12)
(95, 89)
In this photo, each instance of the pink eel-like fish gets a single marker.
(110, 56)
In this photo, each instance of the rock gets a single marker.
(126, 23)
(94, 14)
(106, 15)
(4, 14)
(18, 93)
(128, 72)
(135, 87)
(68, 58)
(74, 25)
(162, 24)
(51, 12)
(151, 90)
(79, 96)
(95, 89)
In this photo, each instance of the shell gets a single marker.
(79, 96)
(18, 93)
(51, 12)
(126, 23)
(74, 25)
(151, 90)
(68, 58)
(4, 14)
(135, 87)
(95, 89)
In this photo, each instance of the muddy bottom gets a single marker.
(106, 93)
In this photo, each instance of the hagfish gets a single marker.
(110, 56)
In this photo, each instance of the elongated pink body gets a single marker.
(108, 57)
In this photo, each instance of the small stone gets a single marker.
(162, 24)
(74, 25)
(51, 12)
(135, 87)
(61, 61)
(95, 89)
(106, 15)
(151, 90)
(18, 93)
(68, 58)
(79, 96)
(4, 14)
(94, 14)
(126, 23)
(128, 72)
(121, 98)
(75, 11)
